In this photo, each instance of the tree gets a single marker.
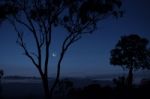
(1, 73)
(39, 17)
(131, 52)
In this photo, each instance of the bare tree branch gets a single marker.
(22, 44)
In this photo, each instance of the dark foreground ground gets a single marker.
(75, 89)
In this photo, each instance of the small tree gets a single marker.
(131, 52)
(1, 73)
(39, 17)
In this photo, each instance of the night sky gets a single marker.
(90, 55)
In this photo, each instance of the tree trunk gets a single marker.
(55, 83)
(45, 86)
(130, 78)
(58, 75)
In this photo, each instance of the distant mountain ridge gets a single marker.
(138, 74)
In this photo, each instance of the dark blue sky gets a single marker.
(90, 55)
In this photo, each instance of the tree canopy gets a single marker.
(39, 17)
(131, 52)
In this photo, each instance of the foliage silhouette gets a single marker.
(39, 17)
(63, 88)
(120, 82)
(97, 91)
(131, 52)
(91, 91)
(1, 74)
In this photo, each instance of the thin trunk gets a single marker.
(55, 82)
(58, 75)
(45, 86)
(130, 78)
(67, 42)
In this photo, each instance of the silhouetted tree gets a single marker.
(39, 17)
(81, 18)
(131, 52)
(1, 73)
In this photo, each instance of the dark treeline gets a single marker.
(106, 92)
